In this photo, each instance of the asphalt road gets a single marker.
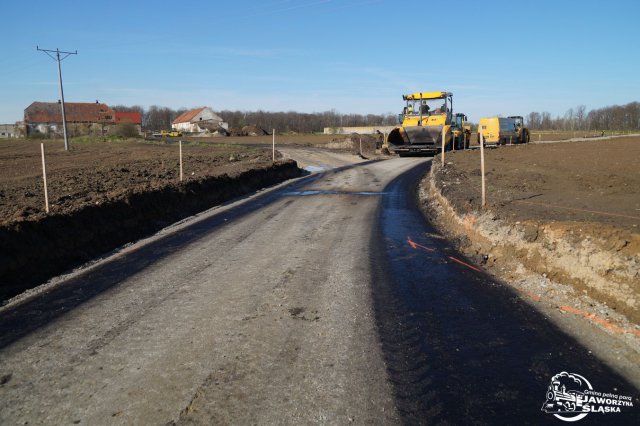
(329, 300)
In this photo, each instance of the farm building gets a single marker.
(198, 120)
(82, 118)
(8, 131)
(132, 117)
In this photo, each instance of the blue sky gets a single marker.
(354, 56)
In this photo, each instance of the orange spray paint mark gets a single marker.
(531, 295)
(598, 320)
(464, 264)
(416, 246)
(469, 221)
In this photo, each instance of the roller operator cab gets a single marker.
(424, 118)
(461, 131)
(501, 130)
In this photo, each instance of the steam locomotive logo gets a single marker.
(566, 397)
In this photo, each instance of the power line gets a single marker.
(59, 59)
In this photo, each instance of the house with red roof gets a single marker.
(81, 117)
(199, 120)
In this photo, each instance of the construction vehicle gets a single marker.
(461, 131)
(426, 117)
(167, 133)
(501, 130)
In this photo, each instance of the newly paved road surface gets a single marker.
(328, 301)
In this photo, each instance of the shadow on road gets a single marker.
(461, 348)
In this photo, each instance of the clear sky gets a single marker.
(354, 56)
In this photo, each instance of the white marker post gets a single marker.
(443, 134)
(484, 200)
(44, 179)
(180, 144)
(273, 146)
(361, 147)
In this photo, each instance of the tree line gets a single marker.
(616, 117)
(158, 118)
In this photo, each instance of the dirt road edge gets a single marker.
(554, 251)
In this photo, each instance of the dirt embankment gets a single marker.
(104, 196)
(567, 212)
(356, 143)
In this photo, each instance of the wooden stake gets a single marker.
(180, 144)
(484, 199)
(443, 134)
(44, 178)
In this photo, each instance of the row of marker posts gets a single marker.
(44, 168)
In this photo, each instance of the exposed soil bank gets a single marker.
(33, 251)
(599, 260)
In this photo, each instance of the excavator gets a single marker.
(426, 117)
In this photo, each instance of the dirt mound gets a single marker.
(40, 247)
(354, 141)
(252, 130)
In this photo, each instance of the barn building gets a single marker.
(199, 120)
(8, 131)
(82, 118)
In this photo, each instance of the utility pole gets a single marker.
(58, 59)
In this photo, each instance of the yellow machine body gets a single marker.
(503, 130)
(425, 119)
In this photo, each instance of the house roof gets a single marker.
(186, 117)
(50, 112)
(128, 117)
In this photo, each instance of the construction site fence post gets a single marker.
(484, 199)
(44, 179)
(180, 145)
(442, 153)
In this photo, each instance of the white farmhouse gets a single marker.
(198, 120)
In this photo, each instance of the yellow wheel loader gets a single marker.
(424, 120)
